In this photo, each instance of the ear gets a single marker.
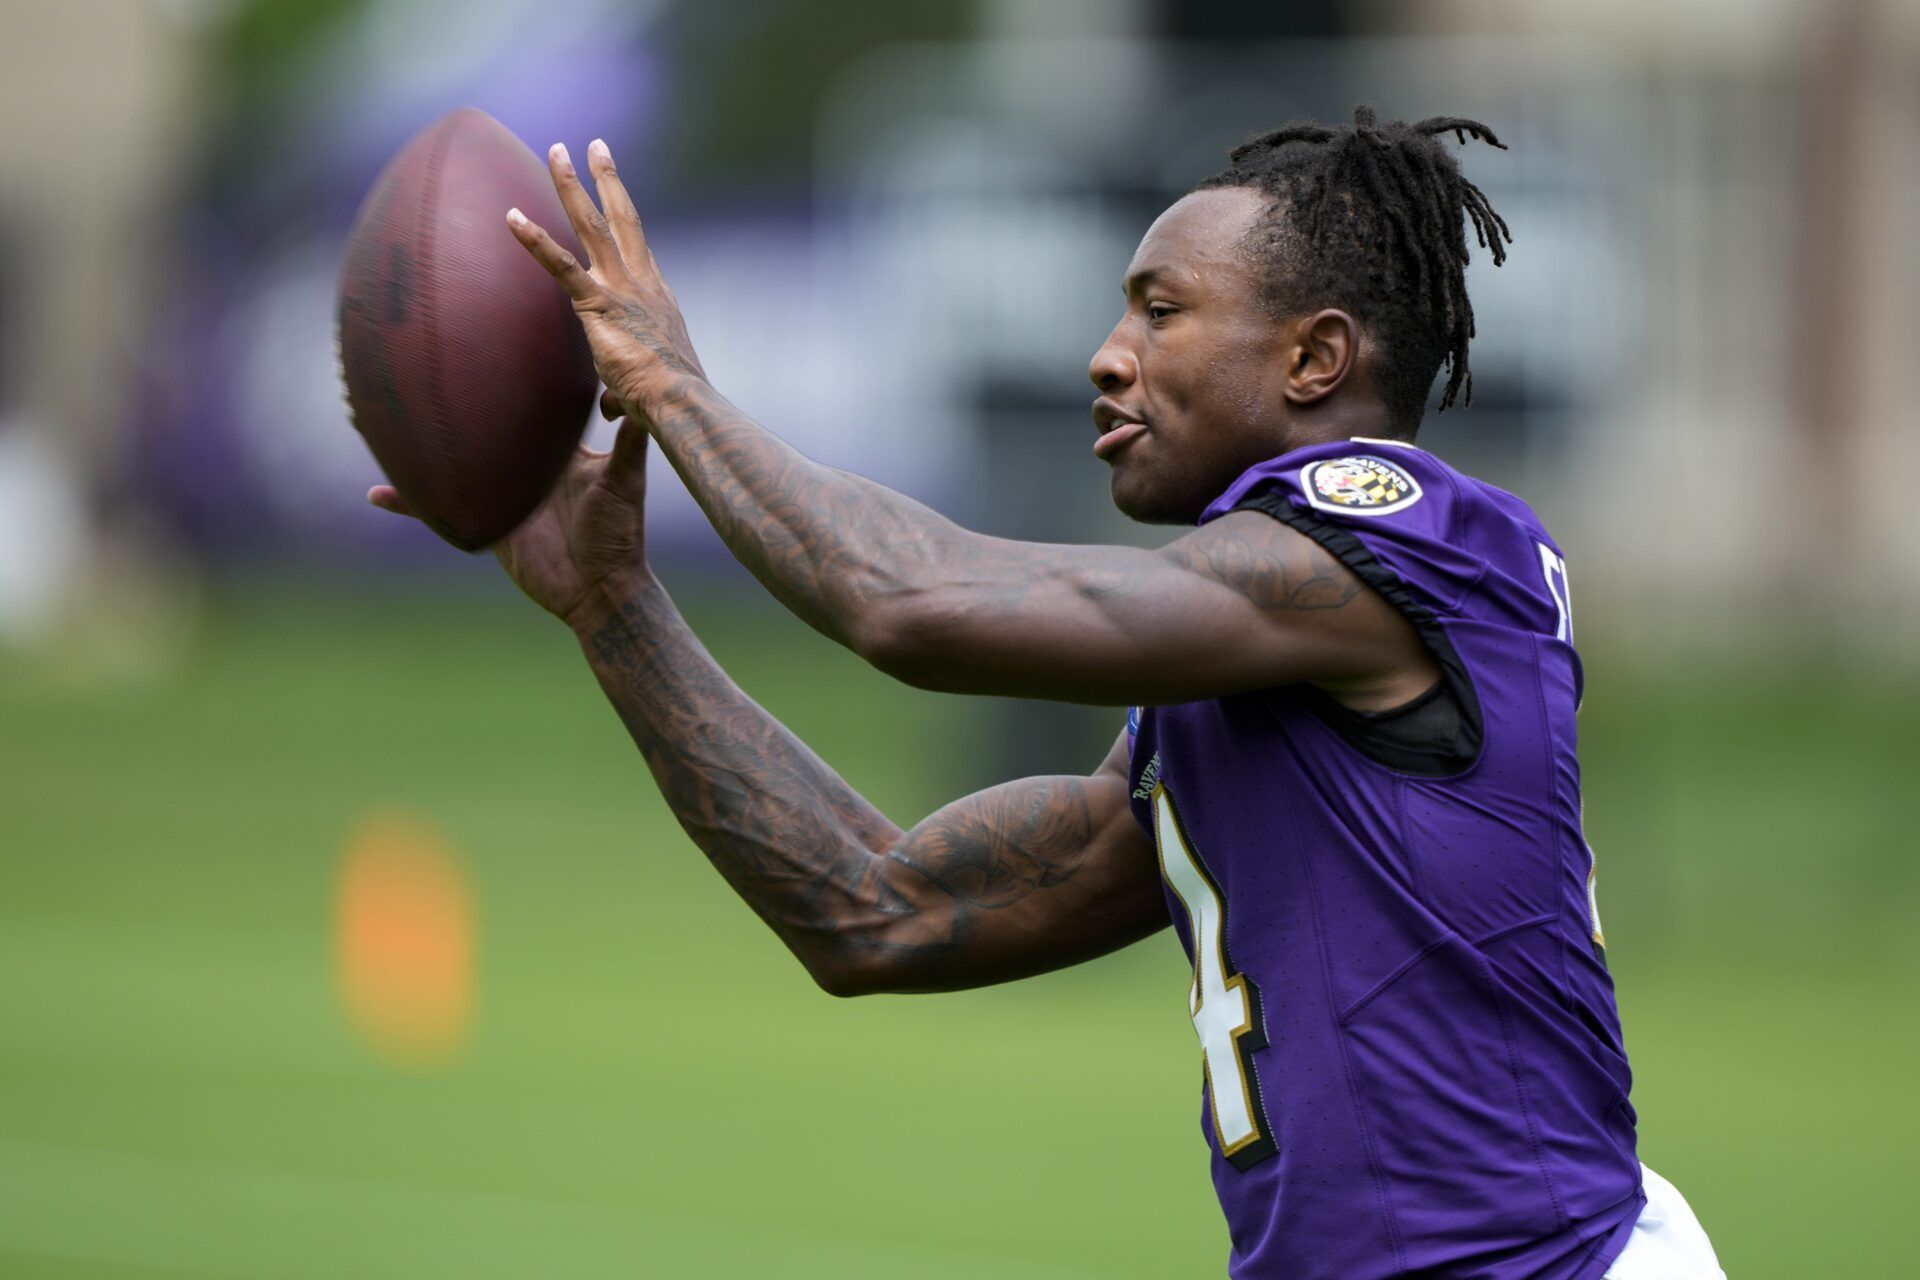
(1325, 346)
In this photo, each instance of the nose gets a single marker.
(1114, 366)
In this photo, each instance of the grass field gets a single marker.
(652, 1088)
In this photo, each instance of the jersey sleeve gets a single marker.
(1396, 518)
(1376, 507)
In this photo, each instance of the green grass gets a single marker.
(653, 1087)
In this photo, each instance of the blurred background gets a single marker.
(341, 930)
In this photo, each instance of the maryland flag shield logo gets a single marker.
(1360, 484)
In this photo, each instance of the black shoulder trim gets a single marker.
(1425, 736)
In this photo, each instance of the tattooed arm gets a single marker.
(1021, 878)
(1243, 603)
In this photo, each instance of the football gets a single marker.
(464, 366)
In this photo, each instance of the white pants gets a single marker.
(1667, 1242)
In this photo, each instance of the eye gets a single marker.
(1158, 311)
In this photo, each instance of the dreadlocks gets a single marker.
(1371, 218)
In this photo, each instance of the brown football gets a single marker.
(465, 367)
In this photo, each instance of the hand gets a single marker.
(639, 340)
(584, 548)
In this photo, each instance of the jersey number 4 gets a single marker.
(1554, 568)
(1224, 1004)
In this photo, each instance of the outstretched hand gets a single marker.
(633, 323)
(585, 545)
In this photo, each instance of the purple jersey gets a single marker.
(1413, 1060)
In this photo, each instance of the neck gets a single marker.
(1340, 422)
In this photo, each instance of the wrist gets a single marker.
(610, 599)
(649, 395)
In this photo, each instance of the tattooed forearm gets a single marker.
(774, 819)
(827, 544)
(825, 869)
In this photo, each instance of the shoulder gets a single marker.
(1362, 482)
(1403, 520)
(1382, 491)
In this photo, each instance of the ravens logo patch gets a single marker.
(1361, 484)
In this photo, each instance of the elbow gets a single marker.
(862, 958)
(913, 640)
(842, 986)
(845, 976)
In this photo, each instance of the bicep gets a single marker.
(1019, 879)
(1242, 603)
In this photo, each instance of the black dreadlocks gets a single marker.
(1370, 218)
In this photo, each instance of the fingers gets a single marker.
(610, 407)
(387, 498)
(628, 461)
(591, 229)
(560, 264)
(628, 235)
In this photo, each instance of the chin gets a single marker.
(1139, 497)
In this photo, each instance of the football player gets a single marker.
(1348, 778)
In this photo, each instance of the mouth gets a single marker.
(1118, 427)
